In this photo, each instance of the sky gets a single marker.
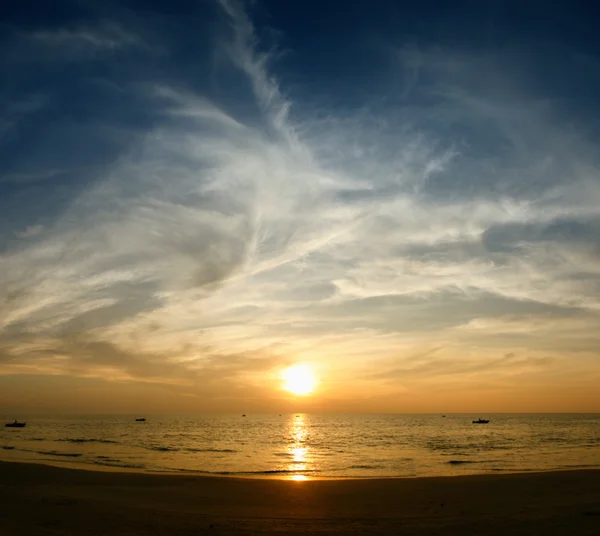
(403, 196)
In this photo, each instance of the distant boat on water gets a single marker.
(15, 424)
(140, 420)
(481, 421)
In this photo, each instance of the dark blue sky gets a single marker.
(319, 32)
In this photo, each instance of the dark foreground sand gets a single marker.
(41, 500)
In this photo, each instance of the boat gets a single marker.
(140, 420)
(481, 421)
(15, 424)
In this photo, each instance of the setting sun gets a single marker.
(299, 379)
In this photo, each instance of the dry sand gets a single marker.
(44, 500)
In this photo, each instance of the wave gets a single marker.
(227, 451)
(579, 465)
(119, 463)
(55, 453)
(468, 447)
(88, 440)
(43, 452)
(107, 459)
(190, 449)
(232, 473)
(461, 462)
(270, 472)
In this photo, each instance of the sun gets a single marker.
(299, 379)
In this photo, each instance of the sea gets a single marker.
(308, 446)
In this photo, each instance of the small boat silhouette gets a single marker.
(140, 420)
(481, 421)
(15, 424)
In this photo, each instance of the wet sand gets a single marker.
(44, 500)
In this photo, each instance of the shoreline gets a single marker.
(274, 475)
(90, 468)
(45, 499)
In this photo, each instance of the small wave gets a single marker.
(228, 451)
(191, 449)
(6, 447)
(469, 447)
(579, 465)
(460, 462)
(63, 454)
(555, 440)
(265, 472)
(119, 463)
(366, 467)
(38, 439)
(180, 470)
(275, 472)
(88, 440)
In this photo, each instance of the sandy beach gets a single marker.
(42, 500)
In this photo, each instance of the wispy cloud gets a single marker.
(106, 37)
(32, 230)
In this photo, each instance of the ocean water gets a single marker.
(302, 446)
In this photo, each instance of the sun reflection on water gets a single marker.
(299, 454)
(298, 448)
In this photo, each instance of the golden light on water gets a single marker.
(299, 379)
(299, 454)
(298, 448)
